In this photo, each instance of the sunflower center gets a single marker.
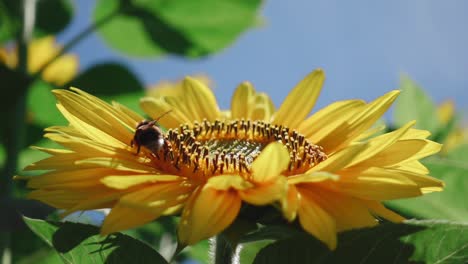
(230, 147)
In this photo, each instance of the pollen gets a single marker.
(229, 147)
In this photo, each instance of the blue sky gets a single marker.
(363, 46)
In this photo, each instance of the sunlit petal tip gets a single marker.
(392, 94)
(19, 178)
(196, 84)
(300, 100)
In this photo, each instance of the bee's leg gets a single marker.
(131, 143)
(138, 149)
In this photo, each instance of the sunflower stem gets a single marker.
(224, 250)
(15, 126)
(77, 39)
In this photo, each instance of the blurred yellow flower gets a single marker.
(456, 137)
(40, 51)
(326, 170)
(174, 88)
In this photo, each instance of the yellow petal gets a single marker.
(207, 213)
(120, 113)
(339, 160)
(386, 184)
(370, 132)
(158, 198)
(156, 107)
(265, 193)
(59, 162)
(241, 100)
(380, 143)
(378, 184)
(131, 117)
(348, 212)
(411, 166)
(378, 209)
(200, 100)
(123, 218)
(92, 203)
(290, 203)
(416, 134)
(68, 176)
(91, 119)
(117, 164)
(358, 123)
(402, 151)
(273, 160)
(226, 182)
(127, 181)
(263, 108)
(327, 119)
(317, 221)
(300, 100)
(312, 177)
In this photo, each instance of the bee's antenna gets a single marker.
(156, 120)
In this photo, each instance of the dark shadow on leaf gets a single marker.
(163, 34)
(107, 79)
(122, 245)
(70, 235)
(382, 244)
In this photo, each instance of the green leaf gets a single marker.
(250, 250)
(460, 153)
(52, 16)
(183, 27)
(449, 204)
(414, 241)
(8, 26)
(112, 82)
(80, 243)
(414, 104)
(41, 103)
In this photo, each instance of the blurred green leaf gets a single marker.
(448, 204)
(80, 243)
(414, 104)
(199, 252)
(107, 79)
(8, 26)
(28, 248)
(41, 256)
(42, 109)
(183, 27)
(52, 16)
(413, 242)
(460, 153)
(112, 82)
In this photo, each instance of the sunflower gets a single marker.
(337, 173)
(327, 170)
(40, 52)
